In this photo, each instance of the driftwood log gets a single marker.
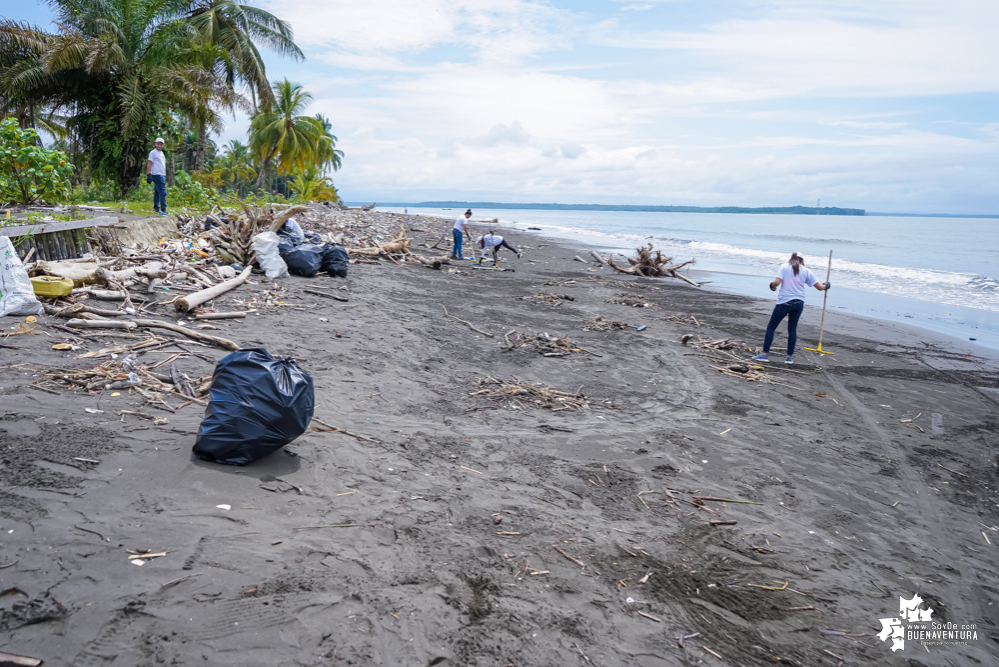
(194, 300)
(223, 316)
(398, 245)
(83, 311)
(190, 333)
(101, 324)
(106, 295)
(596, 256)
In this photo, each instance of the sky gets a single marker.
(886, 105)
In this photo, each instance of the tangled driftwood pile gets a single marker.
(359, 230)
(397, 245)
(519, 395)
(601, 324)
(546, 298)
(129, 373)
(651, 264)
(119, 290)
(544, 344)
(626, 300)
(233, 237)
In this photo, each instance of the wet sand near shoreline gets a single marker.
(495, 532)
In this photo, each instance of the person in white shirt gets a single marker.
(460, 232)
(156, 174)
(792, 278)
(494, 242)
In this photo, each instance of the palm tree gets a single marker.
(280, 134)
(124, 65)
(329, 156)
(311, 185)
(233, 167)
(24, 94)
(234, 30)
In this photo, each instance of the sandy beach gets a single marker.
(458, 526)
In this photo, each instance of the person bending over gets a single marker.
(792, 278)
(493, 242)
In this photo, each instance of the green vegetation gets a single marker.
(311, 186)
(115, 74)
(27, 171)
(282, 138)
(235, 167)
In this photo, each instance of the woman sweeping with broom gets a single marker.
(792, 279)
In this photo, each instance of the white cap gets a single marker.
(159, 140)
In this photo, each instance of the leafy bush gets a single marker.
(29, 172)
(208, 179)
(187, 191)
(95, 192)
(143, 192)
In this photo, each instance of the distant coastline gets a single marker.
(788, 210)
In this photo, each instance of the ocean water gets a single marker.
(938, 273)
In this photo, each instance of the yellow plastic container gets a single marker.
(51, 286)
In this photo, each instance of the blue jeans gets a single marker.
(792, 310)
(159, 193)
(457, 243)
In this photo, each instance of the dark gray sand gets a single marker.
(459, 508)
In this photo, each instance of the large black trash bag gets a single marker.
(258, 405)
(304, 260)
(335, 260)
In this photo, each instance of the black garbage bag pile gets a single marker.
(258, 404)
(309, 257)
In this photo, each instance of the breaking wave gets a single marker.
(969, 290)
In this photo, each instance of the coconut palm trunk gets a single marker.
(265, 167)
(199, 151)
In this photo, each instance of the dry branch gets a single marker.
(467, 323)
(328, 295)
(190, 333)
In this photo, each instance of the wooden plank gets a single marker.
(49, 227)
(44, 247)
(82, 241)
(60, 239)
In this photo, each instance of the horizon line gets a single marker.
(634, 207)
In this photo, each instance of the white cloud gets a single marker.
(572, 151)
(522, 100)
(891, 47)
(863, 125)
(514, 133)
(500, 31)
